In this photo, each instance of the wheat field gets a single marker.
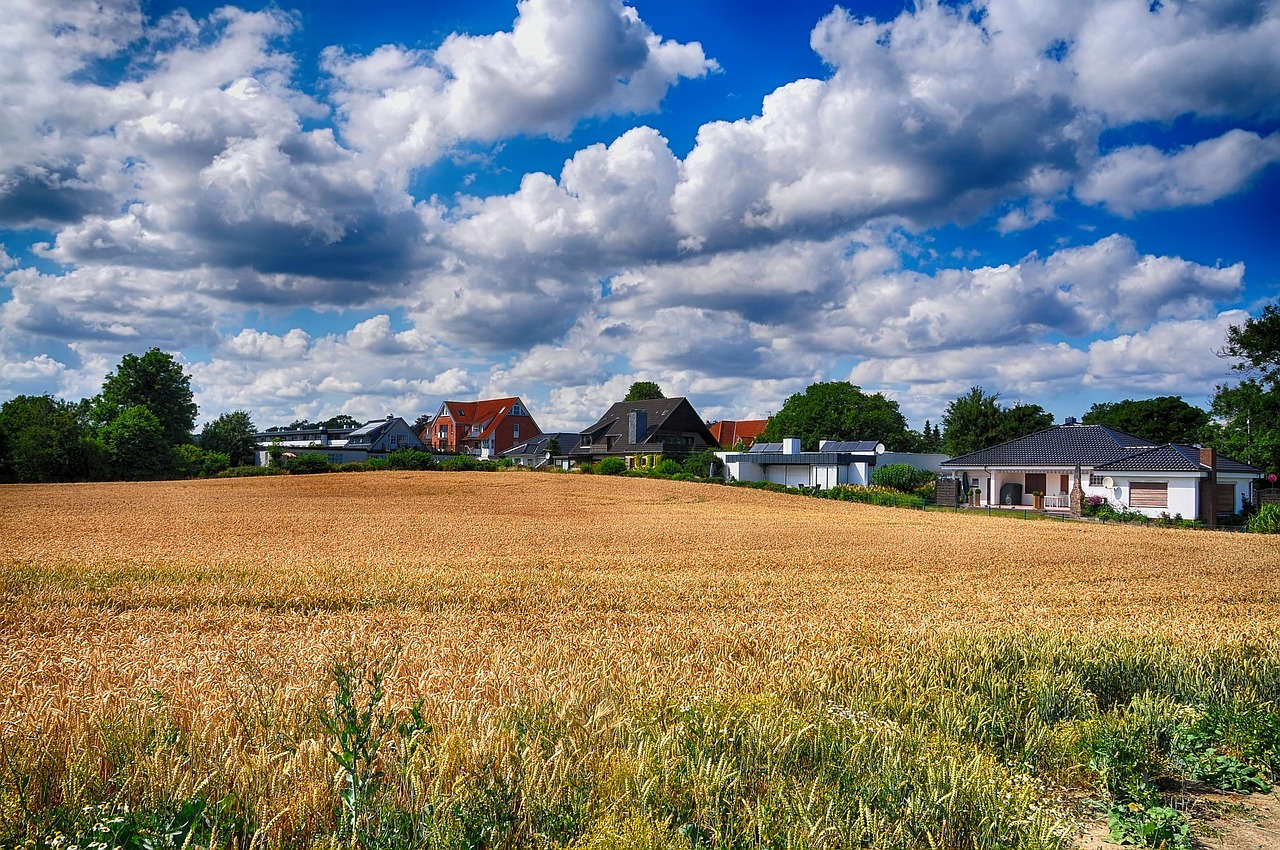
(213, 610)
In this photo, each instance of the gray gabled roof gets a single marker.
(1094, 446)
(661, 415)
(537, 446)
(1174, 457)
(1061, 445)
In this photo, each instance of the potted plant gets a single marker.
(1037, 500)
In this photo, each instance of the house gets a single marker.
(1130, 472)
(834, 463)
(731, 432)
(373, 439)
(643, 432)
(535, 453)
(482, 428)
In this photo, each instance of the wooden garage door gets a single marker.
(1148, 494)
(1225, 498)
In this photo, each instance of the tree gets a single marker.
(1255, 345)
(644, 391)
(136, 445)
(977, 421)
(971, 422)
(342, 420)
(1023, 419)
(1246, 424)
(1247, 417)
(1167, 419)
(420, 424)
(838, 410)
(233, 435)
(156, 381)
(42, 439)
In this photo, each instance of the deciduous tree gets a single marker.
(838, 410)
(42, 439)
(233, 435)
(156, 381)
(1166, 419)
(644, 391)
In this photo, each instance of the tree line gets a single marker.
(140, 426)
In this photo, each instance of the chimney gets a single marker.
(791, 445)
(1209, 458)
(637, 425)
(1070, 420)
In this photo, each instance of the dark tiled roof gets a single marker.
(1061, 445)
(1167, 458)
(661, 416)
(537, 446)
(1094, 446)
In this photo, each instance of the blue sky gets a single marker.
(329, 207)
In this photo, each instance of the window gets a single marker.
(1095, 480)
(1148, 494)
(516, 410)
(515, 431)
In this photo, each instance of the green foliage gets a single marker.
(135, 444)
(901, 476)
(838, 410)
(412, 459)
(308, 464)
(666, 466)
(233, 435)
(612, 466)
(1255, 345)
(192, 461)
(356, 723)
(1154, 826)
(1167, 419)
(42, 439)
(644, 391)
(1266, 520)
(977, 421)
(154, 380)
(704, 464)
(252, 471)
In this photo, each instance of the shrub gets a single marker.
(309, 463)
(412, 459)
(704, 464)
(458, 463)
(612, 466)
(251, 471)
(1266, 520)
(901, 476)
(667, 466)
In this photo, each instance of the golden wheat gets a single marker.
(220, 603)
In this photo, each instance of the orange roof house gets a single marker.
(483, 428)
(729, 431)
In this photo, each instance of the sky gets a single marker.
(367, 208)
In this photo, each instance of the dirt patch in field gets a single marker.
(1221, 821)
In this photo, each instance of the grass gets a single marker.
(569, 661)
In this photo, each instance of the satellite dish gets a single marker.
(1108, 482)
(879, 448)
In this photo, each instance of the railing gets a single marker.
(1058, 500)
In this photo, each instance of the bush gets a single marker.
(901, 476)
(309, 463)
(251, 471)
(1266, 520)
(613, 466)
(666, 466)
(704, 462)
(458, 463)
(411, 459)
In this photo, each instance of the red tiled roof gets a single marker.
(729, 431)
